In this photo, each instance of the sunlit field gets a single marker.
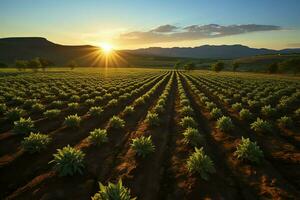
(154, 133)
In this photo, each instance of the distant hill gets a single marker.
(211, 51)
(12, 49)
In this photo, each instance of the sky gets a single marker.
(130, 24)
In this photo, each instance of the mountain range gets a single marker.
(12, 49)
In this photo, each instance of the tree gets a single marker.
(3, 64)
(235, 65)
(292, 65)
(72, 65)
(45, 63)
(177, 65)
(34, 64)
(273, 68)
(217, 67)
(21, 64)
(189, 66)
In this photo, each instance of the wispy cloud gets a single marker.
(171, 33)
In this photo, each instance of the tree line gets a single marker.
(290, 65)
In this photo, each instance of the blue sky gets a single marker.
(133, 23)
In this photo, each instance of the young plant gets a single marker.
(201, 164)
(113, 192)
(96, 111)
(193, 137)
(38, 107)
(72, 121)
(268, 111)
(245, 114)
(52, 114)
(152, 119)
(116, 123)
(3, 108)
(98, 136)
(143, 146)
(285, 122)
(73, 106)
(261, 126)
(225, 124)
(247, 150)
(68, 161)
(159, 109)
(237, 106)
(23, 126)
(113, 103)
(128, 110)
(35, 142)
(186, 111)
(216, 113)
(187, 122)
(14, 114)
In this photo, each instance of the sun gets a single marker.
(106, 47)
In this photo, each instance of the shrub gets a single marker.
(72, 121)
(113, 192)
(14, 114)
(23, 126)
(210, 105)
(73, 106)
(193, 137)
(187, 122)
(159, 109)
(285, 122)
(268, 111)
(186, 111)
(68, 161)
(112, 103)
(247, 150)
(200, 163)
(35, 142)
(98, 136)
(261, 126)
(52, 114)
(3, 108)
(225, 124)
(245, 114)
(142, 146)
(37, 107)
(95, 111)
(116, 123)
(237, 106)
(128, 110)
(152, 119)
(216, 113)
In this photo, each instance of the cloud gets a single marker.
(165, 29)
(170, 33)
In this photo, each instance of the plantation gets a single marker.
(148, 134)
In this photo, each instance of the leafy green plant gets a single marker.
(225, 124)
(96, 111)
(128, 110)
(186, 111)
(113, 103)
(73, 106)
(261, 126)
(3, 108)
(23, 126)
(72, 121)
(159, 109)
(68, 161)
(268, 111)
(143, 146)
(247, 150)
(116, 123)
(14, 114)
(237, 106)
(52, 114)
(113, 192)
(245, 114)
(98, 136)
(35, 142)
(216, 113)
(210, 105)
(187, 122)
(193, 137)
(285, 122)
(38, 107)
(152, 119)
(201, 164)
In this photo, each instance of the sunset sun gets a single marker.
(106, 47)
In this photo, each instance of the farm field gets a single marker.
(166, 134)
